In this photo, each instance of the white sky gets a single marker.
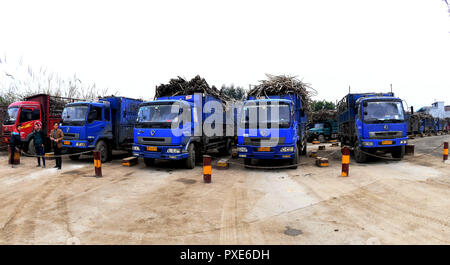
(132, 46)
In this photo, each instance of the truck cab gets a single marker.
(323, 131)
(262, 135)
(160, 133)
(373, 122)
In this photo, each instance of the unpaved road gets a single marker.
(382, 202)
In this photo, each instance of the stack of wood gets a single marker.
(282, 85)
(323, 115)
(180, 86)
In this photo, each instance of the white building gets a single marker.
(437, 110)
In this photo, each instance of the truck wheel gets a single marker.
(190, 161)
(103, 149)
(360, 157)
(321, 138)
(149, 161)
(398, 152)
(304, 149)
(295, 160)
(226, 150)
(247, 162)
(31, 149)
(74, 157)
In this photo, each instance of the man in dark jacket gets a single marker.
(14, 143)
(38, 139)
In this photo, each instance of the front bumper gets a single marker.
(274, 153)
(76, 144)
(161, 152)
(383, 143)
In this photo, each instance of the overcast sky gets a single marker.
(132, 46)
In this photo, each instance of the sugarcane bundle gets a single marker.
(282, 85)
(323, 115)
(180, 86)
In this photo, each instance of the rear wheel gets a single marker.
(190, 161)
(304, 149)
(149, 161)
(226, 150)
(360, 156)
(398, 152)
(103, 149)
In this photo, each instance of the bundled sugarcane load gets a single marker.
(180, 86)
(283, 85)
(323, 115)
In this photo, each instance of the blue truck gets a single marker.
(172, 128)
(371, 122)
(258, 140)
(104, 125)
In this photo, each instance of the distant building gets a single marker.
(437, 110)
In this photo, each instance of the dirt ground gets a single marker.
(381, 202)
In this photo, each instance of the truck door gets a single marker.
(95, 124)
(27, 117)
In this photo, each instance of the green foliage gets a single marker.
(322, 105)
(237, 93)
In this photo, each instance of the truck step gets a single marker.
(130, 161)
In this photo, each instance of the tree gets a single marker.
(322, 105)
(237, 93)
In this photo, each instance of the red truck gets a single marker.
(38, 108)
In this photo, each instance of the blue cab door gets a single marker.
(95, 124)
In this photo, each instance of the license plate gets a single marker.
(386, 142)
(264, 149)
(152, 148)
(67, 142)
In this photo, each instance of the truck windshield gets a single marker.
(283, 121)
(383, 111)
(74, 115)
(158, 115)
(11, 115)
(318, 126)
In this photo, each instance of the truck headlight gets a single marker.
(403, 141)
(136, 148)
(367, 143)
(242, 149)
(80, 144)
(287, 149)
(173, 150)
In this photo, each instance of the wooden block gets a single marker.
(234, 153)
(223, 164)
(313, 154)
(335, 144)
(130, 161)
(321, 147)
(321, 161)
(16, 160)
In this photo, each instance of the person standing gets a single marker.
(56, 136)
(14, 142)
(38, 136)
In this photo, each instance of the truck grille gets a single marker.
(385, 135)
(71, 136)
(256, 141)
(154, 140)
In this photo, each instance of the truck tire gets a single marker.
(360, 157)
(103, 149)
(74, 157)
(31, 149)
(295, 160)
(398, 152)
(247, 162)
(226, 150)
(321, 138)
(149, 161)
(190, 161)
(304, 149)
